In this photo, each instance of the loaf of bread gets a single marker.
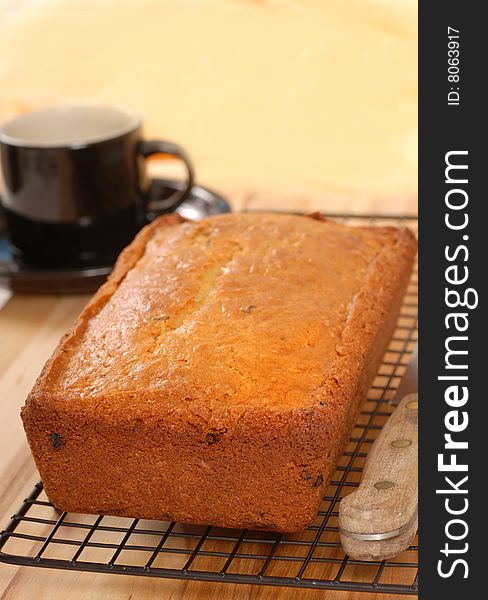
(215, 378)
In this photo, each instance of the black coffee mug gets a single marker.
(75, 190)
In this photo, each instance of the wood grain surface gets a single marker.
(387, 497)
(30, 327)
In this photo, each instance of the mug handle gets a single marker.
(148, 148)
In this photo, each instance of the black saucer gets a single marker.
(23, 278)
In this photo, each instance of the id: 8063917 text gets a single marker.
(453, 69)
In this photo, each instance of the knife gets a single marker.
(379, 519)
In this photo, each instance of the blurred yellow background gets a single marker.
(306, 98)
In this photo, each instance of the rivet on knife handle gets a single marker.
(379, 519)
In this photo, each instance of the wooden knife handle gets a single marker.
(379, 519)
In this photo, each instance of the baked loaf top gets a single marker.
(238, 310)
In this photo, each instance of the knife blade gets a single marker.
(410, 380)
(379, 519)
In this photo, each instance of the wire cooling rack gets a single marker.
(39, 535)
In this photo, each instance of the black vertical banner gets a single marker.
(453, 170)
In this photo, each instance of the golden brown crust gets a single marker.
(191, 426)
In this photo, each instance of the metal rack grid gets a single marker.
(39, 535)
